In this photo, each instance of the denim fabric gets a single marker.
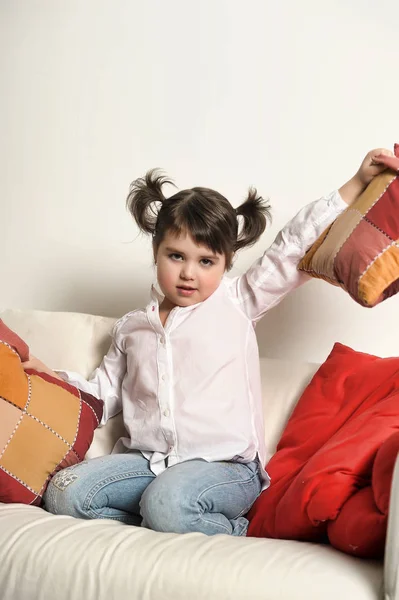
(191, 496)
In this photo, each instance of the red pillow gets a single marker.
(326, 470)
(45, 424)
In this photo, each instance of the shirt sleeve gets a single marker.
(106, 381)
(275, 274)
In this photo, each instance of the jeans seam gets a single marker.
(104, 482)
(211, 487)
(213, 523)
(98, 515)
(250, 480)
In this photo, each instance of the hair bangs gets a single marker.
(202, 225)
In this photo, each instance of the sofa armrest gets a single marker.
(391, 567)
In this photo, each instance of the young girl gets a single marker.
(185, 369)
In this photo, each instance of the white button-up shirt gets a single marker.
(192, 389)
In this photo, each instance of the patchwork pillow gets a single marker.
(332, 471)
(45, 424)
(360, 250)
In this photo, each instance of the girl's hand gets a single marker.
(35, 364)
(369, 168)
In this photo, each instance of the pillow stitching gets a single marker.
(375, 258)
(70, 447)
(78, 423)
(15, 428)
(89, 406)
(350, 209)
(379, 197)
(29, 395)
(353, 208)
(312, 269)
(379, 229)
(50, 429)
(24, 411)
(19, 480)
(10, 347)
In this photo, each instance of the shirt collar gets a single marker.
(157, 297)
(156, 294)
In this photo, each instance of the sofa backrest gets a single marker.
(62, 340)
(77, 342)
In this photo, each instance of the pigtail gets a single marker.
(255, 212)
(145, 196)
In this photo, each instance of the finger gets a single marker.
(376, 154)
(379, 160)
(377, 168)
(383, 161)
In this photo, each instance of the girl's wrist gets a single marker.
(352, 189)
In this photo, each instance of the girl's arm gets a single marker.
(275, 274)
(105, 383)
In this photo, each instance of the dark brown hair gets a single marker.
(204, 213)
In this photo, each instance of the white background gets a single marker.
(288, 96)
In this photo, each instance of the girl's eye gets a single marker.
(206, 262)
(175, 256)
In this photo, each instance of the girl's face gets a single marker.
(187, 273)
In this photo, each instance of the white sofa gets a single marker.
(46, 557)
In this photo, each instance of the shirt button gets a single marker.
(162, 340)
(163, 377)
(166, 412)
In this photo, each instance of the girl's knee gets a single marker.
(162, 509)
(64, 495)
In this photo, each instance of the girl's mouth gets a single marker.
(185, 290)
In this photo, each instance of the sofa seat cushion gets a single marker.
(103, 559)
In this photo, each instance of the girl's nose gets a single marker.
(187, 271)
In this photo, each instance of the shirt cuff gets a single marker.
(337, 201)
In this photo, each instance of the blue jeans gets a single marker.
(191, 496)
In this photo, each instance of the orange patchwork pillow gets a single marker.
(360, 250)
(45, 424)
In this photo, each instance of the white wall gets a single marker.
(285, 95)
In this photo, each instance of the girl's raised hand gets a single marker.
(369, 168)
